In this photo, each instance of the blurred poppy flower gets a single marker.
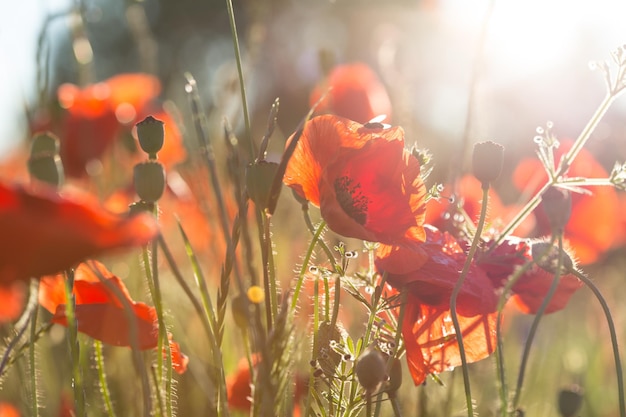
(101, 310)
(12, 299)
(594, 219)
(44, 233)
(531, 288)
(95, 116)
(239, 391)
(8, 410)
(445, 215)
(366, 184)
(355, 93)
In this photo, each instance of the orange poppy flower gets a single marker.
(97, 113)
(367, 185)
(44, 233)
(531, 288)
(355, 93)
(8, 410)
(101, 303)
(12, 299)
(594, 219)
(431, 345)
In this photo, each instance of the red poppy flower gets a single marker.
(44, 233)
(355, 93)
(431, 345)
(430, 274)
(531, 288)
(366, 184)
(97, 113)
(12, 299)
(594, 219)
(101, 310)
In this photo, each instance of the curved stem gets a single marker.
(535, 324)
(611, 324)
(305, 264)
(455, 293)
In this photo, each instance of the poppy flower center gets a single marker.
(351, 199)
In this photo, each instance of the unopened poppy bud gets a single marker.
(44, 163)
(149, 180)
(570, 401)
(326, 356)
(546, 256)
(151, 134)
(259, 178)
(240, 308)
(395, 377)
(371, 369)
(487, 161)
(557, 204)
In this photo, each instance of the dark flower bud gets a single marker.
(395, 377)
(259, 178)
(151, 134)
(371, 369)
(546, 256)
(326, 356)
(487, 161)
(557, 204)
(570, 401)
(149, 180)
(240, 308)
(44, 163)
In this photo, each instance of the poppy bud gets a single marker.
(240, 308)
(557, 204)
(546, 256)
(326, 356)
(151, 135)
(395, 377)
(259, 178)
(44, 163)
(487, 161)
(371, 369)
(149, 180)
(570, 401)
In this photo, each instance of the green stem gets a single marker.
(611, 324)
(104, 387)
(455, 293)
(305, 264)
(373, 310)
(535, 324)
(32, 361)
(74, 346)
(242, 84)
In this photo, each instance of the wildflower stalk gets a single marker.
(72, 327)
(31, 358)
(269, 278)
(535, 323)
(374, 310)
(311, 390)
(455, 294)
(152, 273)
(242, 85)
(564, 165)
(104, 387)
(499, 354)
(305, 264)
(312, 229)
(614, 344)
(6, 356)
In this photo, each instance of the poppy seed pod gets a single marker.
(487, 161)
(557, 204)
(240, 308)
(259, 178)
(149, 180)
(44, 163)
(326, 356)
(371, 369)
(570, 401)
(395, 377)
(546, 256)
(151, 134)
